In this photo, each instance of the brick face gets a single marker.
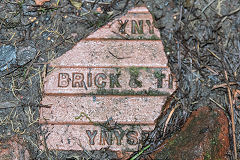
(108, 90)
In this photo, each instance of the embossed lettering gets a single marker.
(63, 79)
(77, 80)
(170, 81)
(114, 80)
(159, 76)
(145, 134)
(137, 27)
(106, 137)
(151, 27)
(100, 83)
(134, 83)
(132, 137)
(89, 79)
(122, 26)
(91, 136)
(134, 74)
(119, 136)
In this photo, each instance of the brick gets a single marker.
(136, 24)
(95, 137)
(204, 136)
(115, 80)
(123, 110)
(113, 53)
(13, 149)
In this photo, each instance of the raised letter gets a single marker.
(89, 80)
(63, 79)
(136, 27)
(132, 137)
(91, 136)
(77, 80)
(170, 81)
(106, 137)
(145, 134)
(97, 80)
(122, 26)
(151, 27)
(134, 83)
(159, 75)
(114, 80)
(119, 136)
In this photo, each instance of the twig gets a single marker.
(233, 12)
(118, 57)
(232, 116)
(13, 89)
(209, 4)
(224, 85)
(214, 54)
(217, 104)
(169, 117)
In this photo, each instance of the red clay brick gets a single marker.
(124, 110)
(204, 136)
(136, 24)
(92, 137)
(118, 74)
(113, 53)
(13, 149)
(92, 80)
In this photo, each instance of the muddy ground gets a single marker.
(201, 39)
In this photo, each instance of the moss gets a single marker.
(134, 74)
(215, 145)
(134, 71)
(154, 37)
(102, 20)
(188, 137)
(157, 74)
(168, 50)
(150, 92)
(172, 142)
(207, 156)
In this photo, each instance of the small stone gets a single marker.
(7, 56)
(26, 54)
(4, 105)
(204, 136)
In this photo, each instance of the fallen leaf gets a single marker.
(110, 13)
(76, 4)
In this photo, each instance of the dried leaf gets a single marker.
(110, 13)
(76, 4)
